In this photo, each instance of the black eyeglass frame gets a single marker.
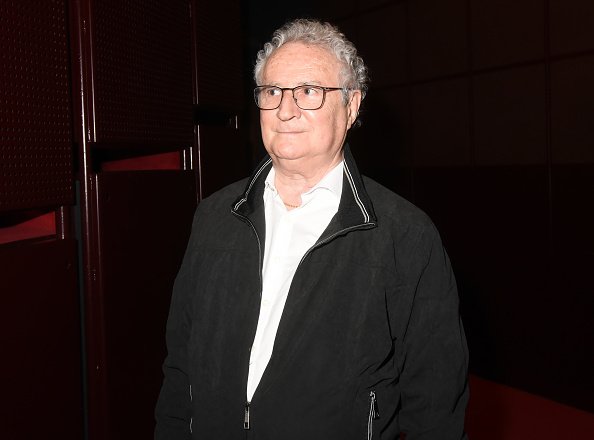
(292, 89)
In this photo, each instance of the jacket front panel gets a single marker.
(322, 351)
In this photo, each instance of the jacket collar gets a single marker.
(355, 207)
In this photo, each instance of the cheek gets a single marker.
(264, 124)
(328, 123)
(336, 122)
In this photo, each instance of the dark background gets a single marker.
(118, 116)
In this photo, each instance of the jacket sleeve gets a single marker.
(173, 410)
(434, 387)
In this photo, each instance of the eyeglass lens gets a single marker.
(306, 97)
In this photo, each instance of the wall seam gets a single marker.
(548, 126)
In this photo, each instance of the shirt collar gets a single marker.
(332, 181)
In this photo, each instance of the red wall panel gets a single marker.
(35, 115)
(143, 220)
(40, 340)
(142, 72)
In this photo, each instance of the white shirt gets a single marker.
(289, 234)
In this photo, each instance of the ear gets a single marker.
(353, 107)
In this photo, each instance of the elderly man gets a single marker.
(312, 303)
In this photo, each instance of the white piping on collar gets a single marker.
(347, 172)
(251, 184)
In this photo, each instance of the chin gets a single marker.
(288, 151)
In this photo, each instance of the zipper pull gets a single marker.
(246, 416)
(374, 412)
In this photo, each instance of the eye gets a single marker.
(310, 91)
(272, 91)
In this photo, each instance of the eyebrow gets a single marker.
(305, 83)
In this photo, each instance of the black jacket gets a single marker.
(370, 342)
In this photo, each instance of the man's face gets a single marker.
(309, 137)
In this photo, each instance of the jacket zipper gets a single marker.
(373, 414)
(246, 415)
(249, 222)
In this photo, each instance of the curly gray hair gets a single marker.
(354, 74)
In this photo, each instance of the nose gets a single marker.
(288, 108)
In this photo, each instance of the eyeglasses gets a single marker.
(306, 97)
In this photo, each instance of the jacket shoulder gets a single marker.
(224, 197)
(214, 212)
(393, 207)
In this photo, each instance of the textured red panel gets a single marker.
(142, 71)
(35, 122)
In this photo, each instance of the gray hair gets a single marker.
(353, 75)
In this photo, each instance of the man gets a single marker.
(312, 303)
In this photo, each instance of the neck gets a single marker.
(291, 181)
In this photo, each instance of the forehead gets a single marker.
(299, 63)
